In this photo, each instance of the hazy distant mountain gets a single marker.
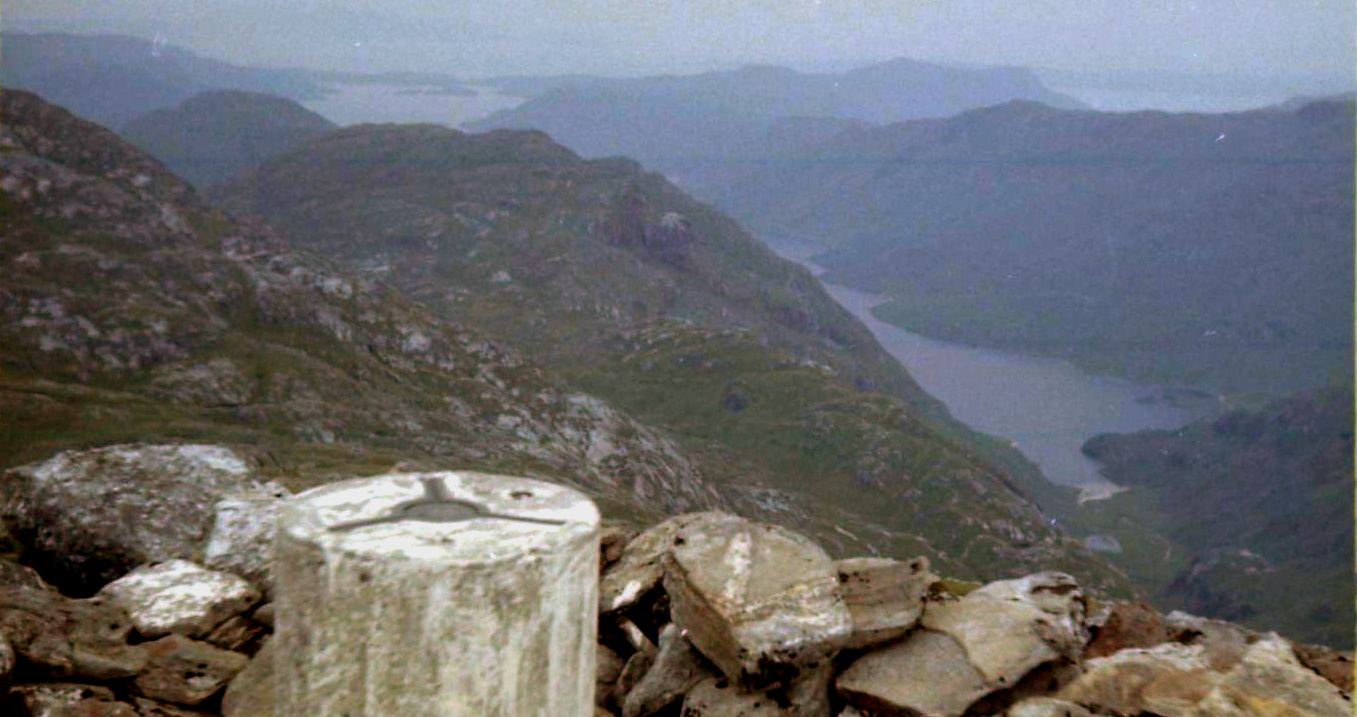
(214, 135)
(111, 79)
(1262, 502)
(1214, 250)
(670, 121)
(636, 293)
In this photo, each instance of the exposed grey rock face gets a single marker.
(884, 597)
(180, 597)
(761, 602)
(88, 517)
(677, 667)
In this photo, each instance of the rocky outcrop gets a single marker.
(88, 517)
(709, 615)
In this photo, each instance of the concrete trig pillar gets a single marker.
(443, 594)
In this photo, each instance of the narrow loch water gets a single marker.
(1047, 407)
(357, 103)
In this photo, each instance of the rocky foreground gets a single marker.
(705, 614)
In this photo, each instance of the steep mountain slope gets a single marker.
(214, 135)
(1263, 502)
(112, 79)
(635, 292)
(132, 311)
(1214, 250)
(682, 123)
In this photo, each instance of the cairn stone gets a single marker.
(761, 602)
(884, 597)
(180, 597)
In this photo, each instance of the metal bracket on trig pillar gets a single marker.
(438, 506)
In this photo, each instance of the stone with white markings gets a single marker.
(761, 602)
(486, 587)
(180, 597)
(640, 567)
(241, 540)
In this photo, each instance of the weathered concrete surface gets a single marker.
(179, 597)
(87, 517)
(482, 616)
(884, 597)
(927, 674)
(761, 602)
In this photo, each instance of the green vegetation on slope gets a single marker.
(598, 269)
(1258, 506)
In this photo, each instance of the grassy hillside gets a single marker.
(629, 289)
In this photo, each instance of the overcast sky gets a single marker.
(621, 37)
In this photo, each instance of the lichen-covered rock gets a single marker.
(88, 517)
(186, 672)
(241, 540)
(927, 674)
(761, 602)
(180, 597)
(884, 597)
(677, 667)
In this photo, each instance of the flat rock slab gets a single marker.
(88, 517)
(68, 638)
(186, 672)
(1009, 627)
(884, 597)
(180, 597)
(926, 675)
(761, 602)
